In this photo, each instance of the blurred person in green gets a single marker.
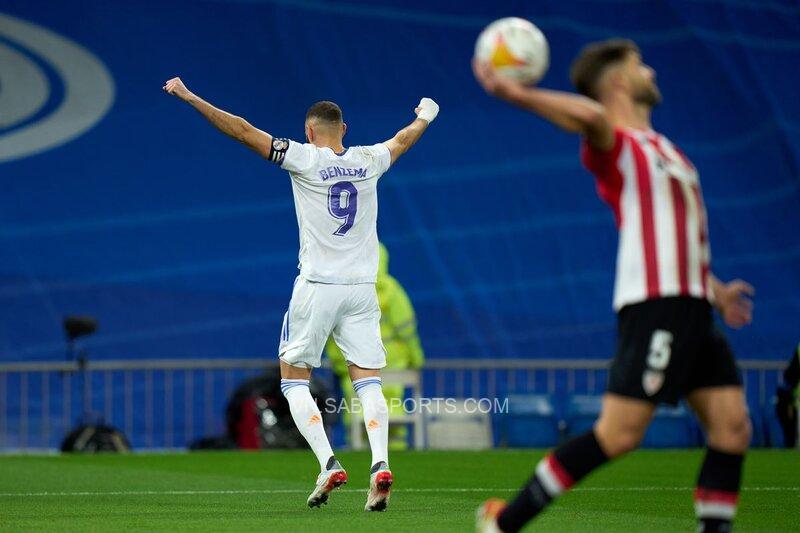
(403, 349)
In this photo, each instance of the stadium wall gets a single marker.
(183, 244)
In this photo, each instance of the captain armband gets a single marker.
(277, 150)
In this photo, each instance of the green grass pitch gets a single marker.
(434, 491)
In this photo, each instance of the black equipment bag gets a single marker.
(95, 438)
(786, 400)
(258, 415)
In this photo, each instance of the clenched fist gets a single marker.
(176, 87)
(427, 110)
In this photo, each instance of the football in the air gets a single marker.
(516, 48)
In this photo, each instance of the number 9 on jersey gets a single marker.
(343, 205)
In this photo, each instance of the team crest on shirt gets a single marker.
(652, 381)
(280, 144)
(680, 171)
(669, 160)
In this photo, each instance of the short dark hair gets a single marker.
(325, 111)
(593, 60)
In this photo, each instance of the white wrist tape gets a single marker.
(428, 109)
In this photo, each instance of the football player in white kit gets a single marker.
(336, 201)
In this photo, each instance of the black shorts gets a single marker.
(667, 348)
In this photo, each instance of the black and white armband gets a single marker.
(277, 151)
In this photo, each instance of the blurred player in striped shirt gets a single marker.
(668, 347)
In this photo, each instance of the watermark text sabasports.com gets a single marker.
(433, 406)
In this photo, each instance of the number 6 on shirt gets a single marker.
(343, 204)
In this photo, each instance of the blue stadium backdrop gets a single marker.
(119, 202)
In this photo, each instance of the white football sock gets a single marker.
(307, 418)
(376, 416)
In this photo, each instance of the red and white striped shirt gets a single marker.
(654, 191)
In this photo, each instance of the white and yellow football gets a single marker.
(516, 48)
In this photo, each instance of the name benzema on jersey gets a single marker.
(335, 172)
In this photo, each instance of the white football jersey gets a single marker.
(336, 199)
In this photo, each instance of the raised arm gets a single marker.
(570, 112)
(231, 125)
(404, 139)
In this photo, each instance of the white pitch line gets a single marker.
(303, 491)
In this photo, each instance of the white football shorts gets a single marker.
(349, 312)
